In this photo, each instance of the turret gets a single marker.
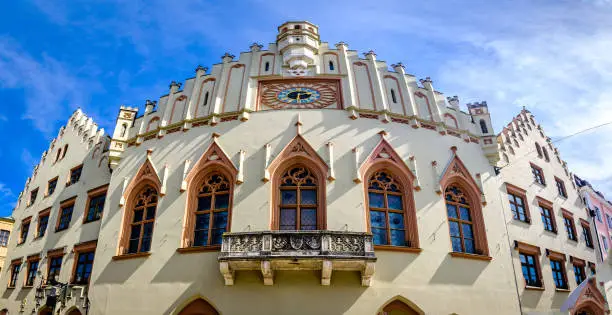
(125, 121)
(480, 115)
(298, 42)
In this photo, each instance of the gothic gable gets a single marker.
(456, 170)
(147, 172)
(384, 152)
(298, 147)
(214, 155)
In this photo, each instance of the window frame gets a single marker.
(130, 224)
(69, 182)
(51, 255)
(79, 249)
(561, 189)
(91, 194)
(586, 233)
(579, 264)
(4, 242)
(42, 214)
(536, 169)
(14, 276)
(518, 192)
(54, 179)
(70, 202)
(22, 238)
(569, 217)
(560, 259)
(531, 250)
(545, 204)
(33, 196)
(29, 274)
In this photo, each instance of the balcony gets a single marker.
(269, 251)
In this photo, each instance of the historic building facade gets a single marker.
(301, 179)
(548, 223)
(601, 215)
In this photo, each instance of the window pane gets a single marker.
(217, 236)
(148, 230)
(376, 200)
(133, 246)
(138, 216)
(519, 201)
(394, 202)
(135, 232)
(465, 213)
(202, 221)
(379, 236)
(396, 220)
(467, 230)
(222, 201)
(469, 246)
(309, 197)
(220, 220)
(454, 228)
(398, 238)
(456, 244)
(203, 203)
(308, 219)
(522, 257)
(452, 211)
(288, 197)
(146, 244)
(151, 213)
(378, 219)
(287, 219)
(200, 238)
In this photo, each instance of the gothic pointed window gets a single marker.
(483, 126)
(299, 200)
(386, 207)
(546, 157)
(331, 65)
(460, 220)
(538, 149)
(206, 98)
(212, 209)
(393, 98)
(143, 219)
(123, 130)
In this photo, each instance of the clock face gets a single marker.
(302, 93)
(298, 95)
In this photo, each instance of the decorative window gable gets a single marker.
(214, 155)
(384, 152)
(298, 147)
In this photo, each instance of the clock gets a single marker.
(301, 93)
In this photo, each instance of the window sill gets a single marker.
(130, 256)
(528, 287)
(523, 221)
(85, 221)
(59, 230)
(199, 249)
(398, 248)
(471, 256)
(552, 232)
(10, 288)
(562, 290)
(28, 286)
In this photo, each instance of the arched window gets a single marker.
(142, 220)
(59, 153)
(331, 65)
(267, 66)
(516, 144)
(206, 98)
(483, 126)
(545, 154)
(200, 307)
(528, 126)
(506, 158)
(297, 27)
(299, 200)
(460, 220)
(521, 137)
(399, 307)
(539, 149)
(393, 98)
(123, 130)
(211, 210)
(65, 151)
(386, 206)
(511, 150)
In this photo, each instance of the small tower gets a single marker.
(482, 119)
(125, 120)
(298, 42)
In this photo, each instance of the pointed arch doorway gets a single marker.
(198, 307)
(400, 306)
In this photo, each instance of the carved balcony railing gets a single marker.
(297, 250)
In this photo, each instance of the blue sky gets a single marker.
(551, 56)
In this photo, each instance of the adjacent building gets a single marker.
(297, 179)
(547, 222)
(601, 212)
(6, 226)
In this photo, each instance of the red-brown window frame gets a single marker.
(68, 181)
(14, 262)
(56, 179)
(534, 166)
(532, 250)
(30, 259)
(580, 263)
(54, 253)
(82, 248)
(561, 258)
(543, 203)
(92, 193)
(585, 224)
(66, 203)
(30, 201)
(21, 239)
(43, 213)
(563, 187)
(521, 193)
(568, 215)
